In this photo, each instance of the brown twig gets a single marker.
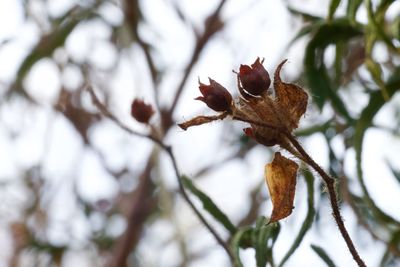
(213, 25)
(105, 112)
(142, 204)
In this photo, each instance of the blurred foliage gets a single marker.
(354, 65)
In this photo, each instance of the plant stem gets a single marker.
(105, 112)
(330, 184)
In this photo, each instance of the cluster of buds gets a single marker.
(272, 114)
(269, 113)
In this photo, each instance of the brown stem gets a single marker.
(330, 183)
(212, 26)
(105, 112)
(168, 149)
(142, 204)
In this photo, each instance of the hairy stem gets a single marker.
(329, 181)
(330, 184)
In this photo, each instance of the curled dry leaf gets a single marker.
(199, 120)
(291, 99)
(280, 176)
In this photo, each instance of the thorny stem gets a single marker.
(330, 183)
(105, 112)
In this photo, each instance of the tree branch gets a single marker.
(105, 112)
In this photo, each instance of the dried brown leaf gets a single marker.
(291, 99)
(199, 120)
(280, 176)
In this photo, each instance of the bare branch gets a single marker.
(105, 112)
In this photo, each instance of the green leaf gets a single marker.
(236, 243)
(332, 8)
(352, 7)
(46, 46)
(209, 205)
(260, 236)
(376, 23)
(305, 16)
(306, 225)
(304, 31)
(339, 55)
(317, 128)
(376, 102)
(315, 70)
(323, 255)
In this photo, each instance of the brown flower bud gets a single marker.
(215, 96)
(255, 79)
(141, 111)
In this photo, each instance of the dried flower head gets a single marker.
(272, 117)
(141, 111)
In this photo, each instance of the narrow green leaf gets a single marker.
(376, 23)
(209, 205)
(317, 128)
(376, 102)
(305, 16)
(339, 55)
(390, 259)
(323, 255)
(263, 238)
(236, 242)
(260, 236)
(46, 46)
(352, 7)
(304, 31)
(315, 70)
(332, 8)
(306, 225)
(387, 259)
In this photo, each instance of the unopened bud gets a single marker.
(255, 78)
(141, 111)
(215, 96)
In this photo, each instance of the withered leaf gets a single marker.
(199, 120)
(291, 99)
(280, 176)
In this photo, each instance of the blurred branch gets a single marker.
(255, 200)
(213, 24)
(142, 204)
(133, 16)
(121, 257)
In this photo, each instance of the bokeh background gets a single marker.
(78, 190)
